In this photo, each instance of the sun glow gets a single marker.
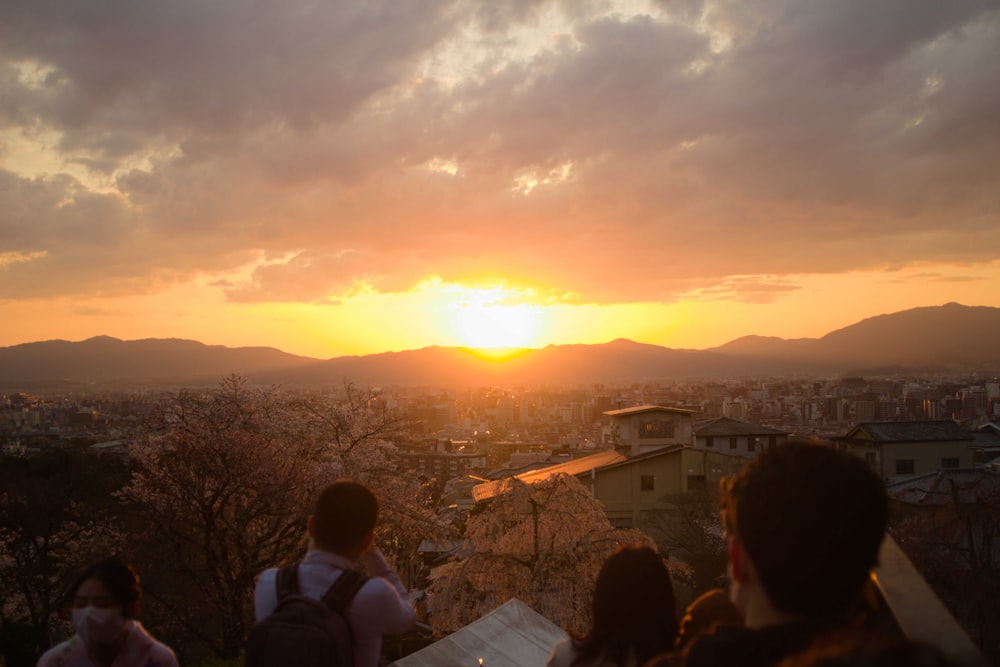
(485, 326)
(496, 320)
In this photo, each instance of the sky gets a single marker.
(341, 178)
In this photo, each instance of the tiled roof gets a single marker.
(939, 488)
(647, 408)
(725, 426)
(488, 490)
(918, 431)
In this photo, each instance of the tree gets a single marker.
(357, 430)
(691, 532)
(953, 539)
(225, 481)
(57, 515)
(542, 543)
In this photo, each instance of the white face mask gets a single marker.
(98, 625)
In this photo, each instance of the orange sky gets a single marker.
(334, 180)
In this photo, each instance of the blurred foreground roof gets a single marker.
(511, 634)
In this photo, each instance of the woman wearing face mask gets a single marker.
(104, 601)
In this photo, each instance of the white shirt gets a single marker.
(382, 606)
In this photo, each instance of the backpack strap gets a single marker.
(286, 581)
(343, 590)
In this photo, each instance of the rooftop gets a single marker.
(968, 485)
(725, 426)
(647, 408)
(511, 634)
(488, 490)
(913, 431)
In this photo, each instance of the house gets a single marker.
(945, 488)
(960, 508)
(733, 436)
(987, 446)
(643, 428)
(634, 489)
(899, 449)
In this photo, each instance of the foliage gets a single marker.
(691, 532)
(57, 515)
(226, 479)
(224, 482)
(956, 547)
(356, 430)
(542, 543)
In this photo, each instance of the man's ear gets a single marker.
(369, 541)
(310, 525)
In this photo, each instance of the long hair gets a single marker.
(634, 609)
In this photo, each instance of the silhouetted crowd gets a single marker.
(803, 526)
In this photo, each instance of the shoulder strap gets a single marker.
(343, 590)
(286, 580)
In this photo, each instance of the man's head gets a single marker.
(343, 520)
(804, 524)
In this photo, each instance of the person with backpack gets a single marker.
(321, 610)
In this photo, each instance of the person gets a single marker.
(708, 611)
(103, 604)
(858, 649)
(803, 525)
(634, 616)
(341, 534)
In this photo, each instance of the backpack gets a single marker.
(302, 630)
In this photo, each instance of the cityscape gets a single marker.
(538, 286)
(462, 448)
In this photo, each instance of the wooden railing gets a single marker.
(916, 609)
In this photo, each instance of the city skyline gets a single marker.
(334, 180)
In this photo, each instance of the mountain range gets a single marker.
(948, 338)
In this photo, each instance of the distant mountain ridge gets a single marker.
(936, 338)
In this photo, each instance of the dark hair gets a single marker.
(705, 613)
(811, 518)
(119, 577)
(633, 609)
(344, 514)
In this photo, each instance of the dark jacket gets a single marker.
(743, 647)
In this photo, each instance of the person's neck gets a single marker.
(758, 612)
(353, 555)
(105, 654)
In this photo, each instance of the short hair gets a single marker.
(119, 577)
(709, 610)
(344, 514)
(634, 611)
(811, 518)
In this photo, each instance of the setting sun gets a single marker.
(483, 325)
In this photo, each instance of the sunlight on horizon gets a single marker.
(493, 318)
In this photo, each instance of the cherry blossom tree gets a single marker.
(543, 543)
(224, 482)
(226, 478)
(357, 429)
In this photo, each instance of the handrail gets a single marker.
(917, 610)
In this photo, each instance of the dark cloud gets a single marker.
(629, 158)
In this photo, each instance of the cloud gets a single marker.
(580, 148)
